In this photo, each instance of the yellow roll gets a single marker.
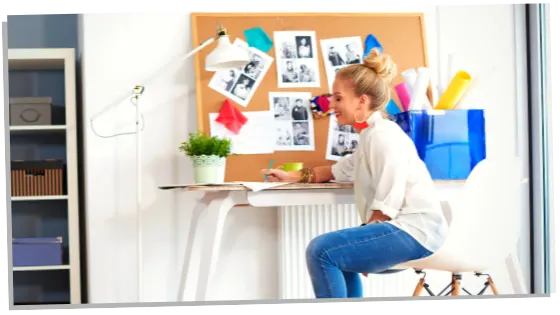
(454, 91)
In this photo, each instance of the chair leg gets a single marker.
(422, 285)
(419, 287)
(489, 283)
(492, 285)
(456, 284)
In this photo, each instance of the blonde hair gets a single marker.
(373, 78)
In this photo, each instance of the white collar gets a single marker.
(373, 117)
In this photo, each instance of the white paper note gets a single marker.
(258, 186)
(257, 136)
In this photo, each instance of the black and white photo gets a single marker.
(255, 67)
(281, 108)
(294, 121)
(243, 86)
(306, 72)
(284, 134)
(289, 72)
(287, 50)
(298, 63)
(299, 111)
(339, 53)
(341, 140)
(345, 128)
(226, 79)
(301, 133)
(240, 84)
(303, 44)
(339, 143)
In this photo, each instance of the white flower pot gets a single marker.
(209, 169)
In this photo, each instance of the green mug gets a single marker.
(292, 166)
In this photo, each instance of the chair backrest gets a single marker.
(487, 215)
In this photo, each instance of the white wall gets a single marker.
(119, 51)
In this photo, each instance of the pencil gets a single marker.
(269, 167)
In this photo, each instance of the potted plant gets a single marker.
(208, 155)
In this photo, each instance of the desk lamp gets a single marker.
(224, 57)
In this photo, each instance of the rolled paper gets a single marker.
(404, 95)
(419, 98)
(392, 108)
(409, 77)
(454, 91)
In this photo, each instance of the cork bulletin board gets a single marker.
(402, 35)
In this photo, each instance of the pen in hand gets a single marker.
(269, 167)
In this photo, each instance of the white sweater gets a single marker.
(389, 176)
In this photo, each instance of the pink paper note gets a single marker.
(404, 95)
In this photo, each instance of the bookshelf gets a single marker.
(47, 72)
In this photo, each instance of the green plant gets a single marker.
(201, 144)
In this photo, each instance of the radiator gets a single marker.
(298, 225)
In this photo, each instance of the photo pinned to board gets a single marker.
(339, 53)
(297, 59)
(341, 140)
(293, 121)
(240, 84)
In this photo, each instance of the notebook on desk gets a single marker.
(253, 186)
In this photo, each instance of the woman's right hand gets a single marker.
(277, 175)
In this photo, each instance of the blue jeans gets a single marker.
(335, 260)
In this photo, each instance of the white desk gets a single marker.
(205, 232)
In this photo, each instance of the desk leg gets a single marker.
(201, 205)
(515, 274)
(203, 256)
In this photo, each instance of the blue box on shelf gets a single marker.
(37, 251)
(450, 142)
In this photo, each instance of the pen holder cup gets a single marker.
(450, 142)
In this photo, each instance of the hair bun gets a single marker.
(382, 64)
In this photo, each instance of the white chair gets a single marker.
(484, 228)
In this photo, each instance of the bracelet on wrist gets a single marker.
(307, 175)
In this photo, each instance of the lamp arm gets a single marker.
(154, 76)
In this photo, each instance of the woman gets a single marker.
(304, 50)
(281, 110)
(335, 58)
(394, 193)
(290, 75)
(352, 57)
(227, 80)
(242, 89)
(306, 74)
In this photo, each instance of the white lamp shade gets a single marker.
(226, 56)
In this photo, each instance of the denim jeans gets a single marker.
(335, 260)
